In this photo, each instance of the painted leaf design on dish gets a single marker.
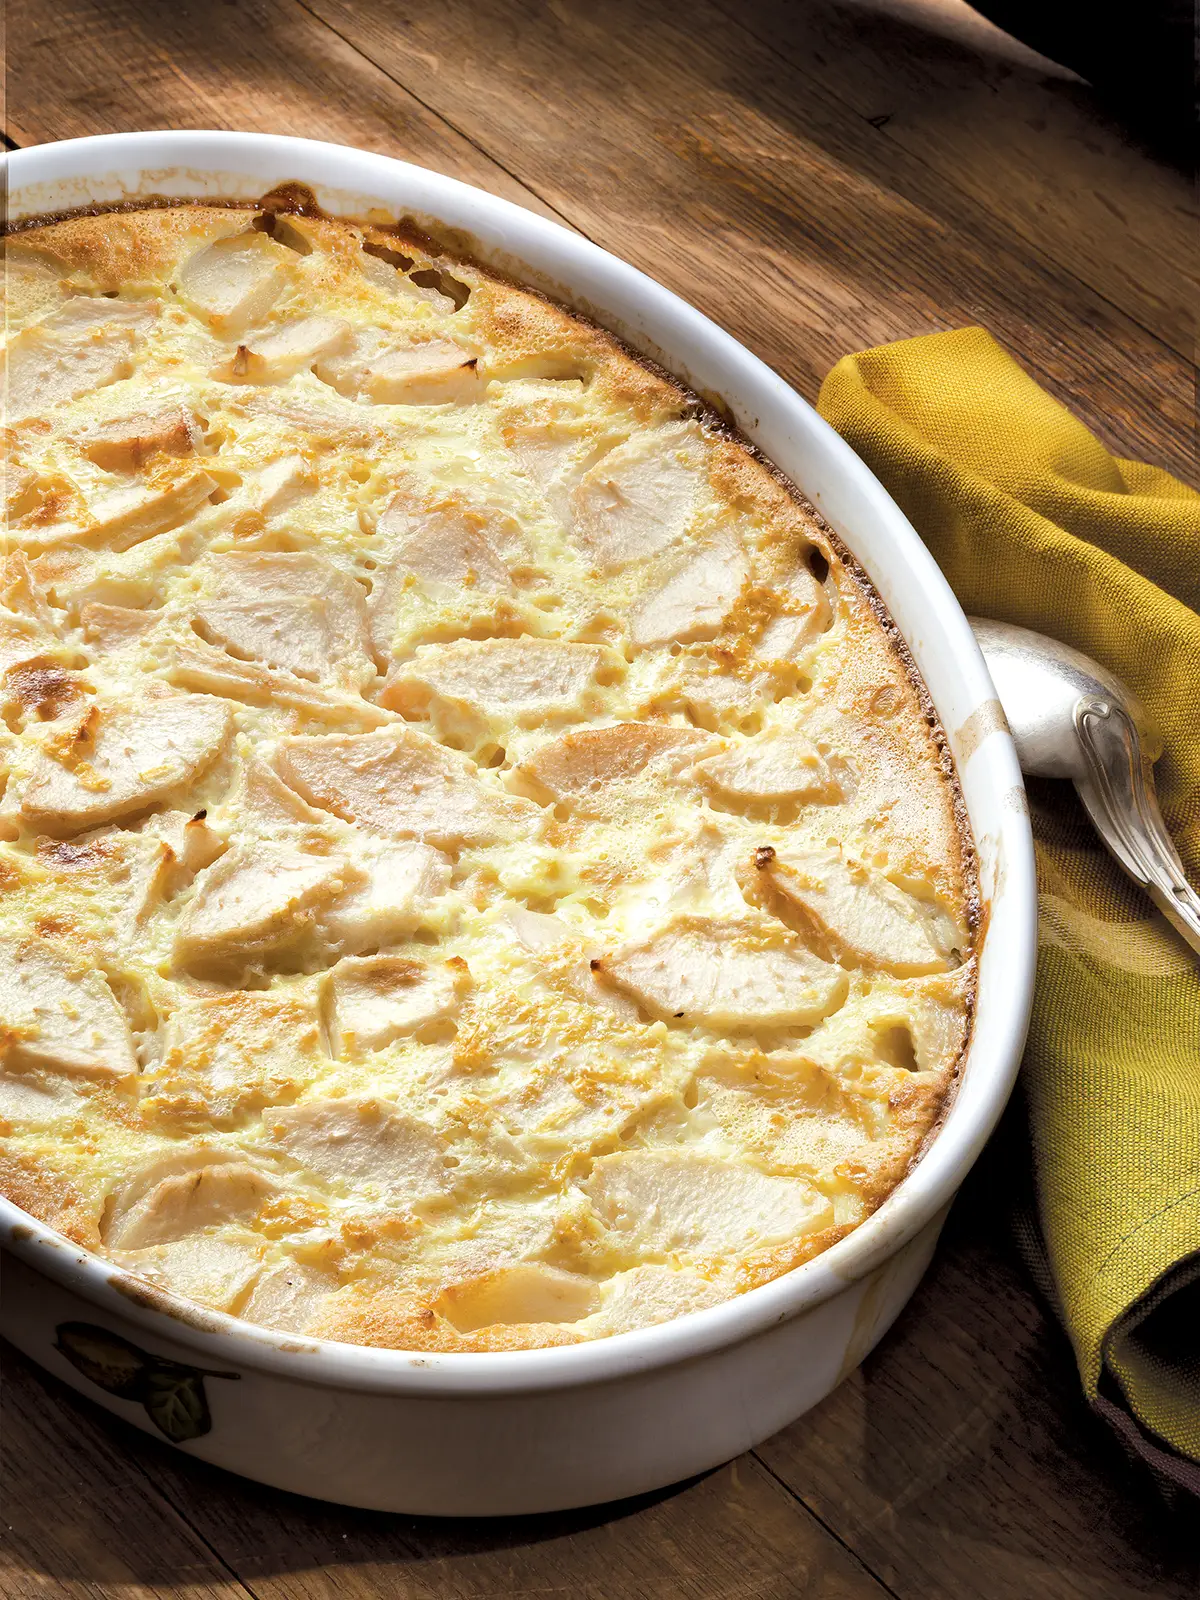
(175, 1401)
(172, 1392)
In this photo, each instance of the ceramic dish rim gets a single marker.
(506, 230)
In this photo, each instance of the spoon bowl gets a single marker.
(1070, 718)
(1040, 682)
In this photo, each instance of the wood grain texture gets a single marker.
(981, 111)
(699, 154)
(130, 1511)
(263, 66)
(818, 175)
(79, 1516)
(961, 1460)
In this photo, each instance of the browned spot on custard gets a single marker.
(74, 743)
(66, 853)
(46, 691)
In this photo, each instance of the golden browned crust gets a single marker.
(49, 1198)
(122, 251)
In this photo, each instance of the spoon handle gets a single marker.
(1118, 792)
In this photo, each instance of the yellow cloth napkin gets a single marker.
(1034, 522)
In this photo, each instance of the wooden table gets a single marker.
(818, 175)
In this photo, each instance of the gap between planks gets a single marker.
(462, 133)
(1048, 260)
(828, 1527)
(156, 1491)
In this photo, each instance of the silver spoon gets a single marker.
(1072, 719)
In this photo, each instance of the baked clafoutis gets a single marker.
(478, 869)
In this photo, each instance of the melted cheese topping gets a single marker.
(475, 872)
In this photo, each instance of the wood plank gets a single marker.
(81, 1520)
(1026, 140)
(960, 1462)
(264, 66)
(98, 1503)
(691, 1544)
(694, 151)
(961, 1459)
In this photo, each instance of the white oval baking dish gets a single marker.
(540, 1430)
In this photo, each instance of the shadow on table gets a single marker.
(1128, 63)
(317, 1532)
(1137, 57)
(100, 1532)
